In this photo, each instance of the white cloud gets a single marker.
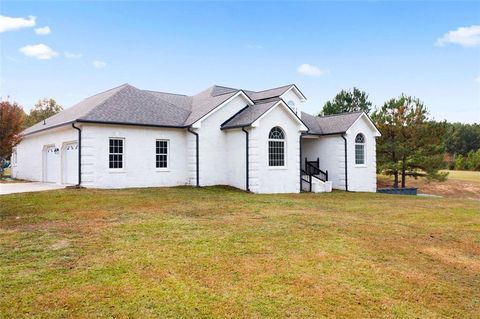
(99, 64)
(11, 24)
(477, 79)
(70, 55)
(466, 37)
(38, 51)
(310, 70)
(43, 31)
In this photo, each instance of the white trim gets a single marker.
(284, 141)
(44, 161)
(124, 153)
(374, 129)
(162, 169)
(364, 144)
(63, 158)
(297, 92)
(198, 123)
(256, 123)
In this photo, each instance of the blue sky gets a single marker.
(382, 47)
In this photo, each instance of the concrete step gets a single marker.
(317, 185)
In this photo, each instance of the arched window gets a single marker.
(360, 149)
(276, 147)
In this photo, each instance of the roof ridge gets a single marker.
(225, 87)
(278, 87)
(119, 86)
(108, 98)
(236, 91)
(167, 93)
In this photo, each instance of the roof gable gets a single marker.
(334, 124)
(369, 123)
(204, 103)
(254, 113)
(249, 114)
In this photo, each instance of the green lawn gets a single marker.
(218, 252)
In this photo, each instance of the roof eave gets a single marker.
(130, 124)
(48, 128)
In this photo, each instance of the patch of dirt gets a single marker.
(449, 188)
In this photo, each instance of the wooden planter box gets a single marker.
(398, 191)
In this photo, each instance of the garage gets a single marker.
(70, 163)
(51, 168)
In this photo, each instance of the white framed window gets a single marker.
(116, 153)
(161, 154)
(360, 149)
(276, 147)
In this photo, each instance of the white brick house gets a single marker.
(256, 141)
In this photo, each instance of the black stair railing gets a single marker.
(313, 168)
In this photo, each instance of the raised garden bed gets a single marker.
(398, 191)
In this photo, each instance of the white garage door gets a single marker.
(70, 164)
(52, 169)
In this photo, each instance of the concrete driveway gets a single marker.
(12, 188)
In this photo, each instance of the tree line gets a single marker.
(412, 144)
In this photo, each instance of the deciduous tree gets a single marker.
(11, 125)
(42, 110)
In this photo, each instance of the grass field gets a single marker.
(218, 252)
(466, 176)
(460, 184)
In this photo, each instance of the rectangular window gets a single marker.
(161, 154)
(116, 148)
(359, 154)
(276, 153)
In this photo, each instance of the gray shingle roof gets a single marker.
(72, 113)
(250, 114)
(183, 101)
(133, 106)
(266, 94)
(330, 124)
(128, 105)
(206, 101)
